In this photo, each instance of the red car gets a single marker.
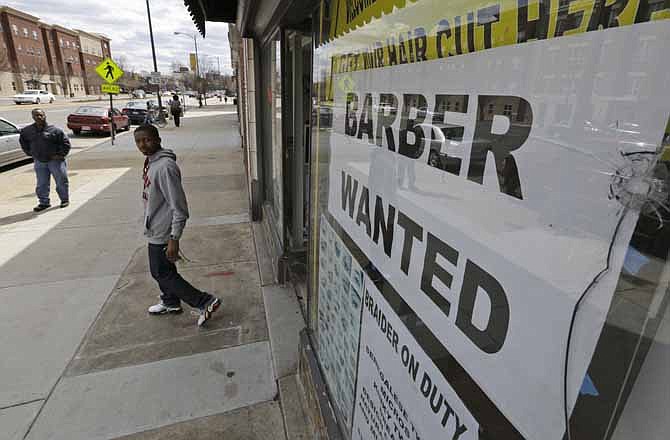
(93, 119)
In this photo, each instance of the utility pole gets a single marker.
(153, 52)
(197, 62)
(197, 58)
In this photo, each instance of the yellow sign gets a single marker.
(109, 71)
(193, 61)
(110, 88)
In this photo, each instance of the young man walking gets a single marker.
(165, 215)
(48, 146)
(175, 109)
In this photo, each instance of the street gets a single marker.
(58, 112)
(82, 359)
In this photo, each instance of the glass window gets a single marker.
(507, 110)
(7, 128)
(34, 35)
(274, 180)
(15, 29)
(25, 32)
(89, 110)
(402, 221)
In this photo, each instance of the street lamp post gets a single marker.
(197, 58)
(153, 53)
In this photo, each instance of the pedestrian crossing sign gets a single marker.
(109, 71)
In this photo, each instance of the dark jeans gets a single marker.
(173, 287)
(176, 117)
(44, 171)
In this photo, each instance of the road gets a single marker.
(58, 112)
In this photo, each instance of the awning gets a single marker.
(211, 10)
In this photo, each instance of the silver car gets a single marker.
(10, 149)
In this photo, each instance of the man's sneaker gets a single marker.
(64, 204)
(206, 313)
(41, 207)
(162, 309)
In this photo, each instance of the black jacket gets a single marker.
(44, 144)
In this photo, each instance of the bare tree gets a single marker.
(122, 62)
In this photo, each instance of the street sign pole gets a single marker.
(153, 53)
(111, 115)
(110, 73)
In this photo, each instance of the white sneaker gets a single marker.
(162, 309)
(206, 313)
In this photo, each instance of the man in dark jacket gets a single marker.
(175, 109)
(48, 146)
(165, 215)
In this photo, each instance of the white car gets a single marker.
(10, 149)
(34, 97)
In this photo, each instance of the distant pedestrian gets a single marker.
(48, 146)
(165, 215)
(175, 109)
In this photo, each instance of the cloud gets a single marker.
(125, 22)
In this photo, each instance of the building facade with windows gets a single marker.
(68, 62)
(24, 54)
(471, 200)
(37, 55)
(93, 49)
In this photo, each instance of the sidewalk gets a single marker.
(83, 359)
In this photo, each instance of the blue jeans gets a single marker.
(44, 171)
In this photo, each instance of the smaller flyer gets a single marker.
(401, 394)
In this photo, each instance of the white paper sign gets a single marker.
(492, 253)
(401, 394)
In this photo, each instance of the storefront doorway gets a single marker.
(297, 82)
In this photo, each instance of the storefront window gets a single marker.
(272, 134)
(491, 219)
(277, 142)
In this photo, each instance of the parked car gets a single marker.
(10, 149)
(139, 93)
(96, 119)
(137, 110)
(34, 97)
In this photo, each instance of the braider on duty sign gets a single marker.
(479, 187)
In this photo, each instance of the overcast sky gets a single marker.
(125, 22)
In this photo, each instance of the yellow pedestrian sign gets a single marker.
(110, 88)
(109, 71)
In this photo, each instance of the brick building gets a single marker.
(23, 55)
(93, 49)
(68, 63)
(36, 55)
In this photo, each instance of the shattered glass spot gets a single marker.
(640, 183)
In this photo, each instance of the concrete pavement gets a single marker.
(81, 357)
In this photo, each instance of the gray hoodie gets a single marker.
(165, 208)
